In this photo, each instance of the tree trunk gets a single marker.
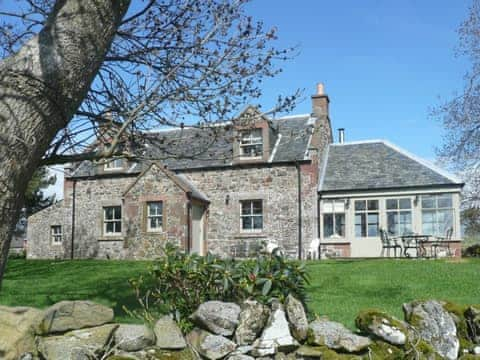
(41, 87)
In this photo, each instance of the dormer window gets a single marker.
(251, 143)
(113, 164)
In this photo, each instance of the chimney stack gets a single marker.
(341, 135)
(320, 102)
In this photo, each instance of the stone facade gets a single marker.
(277, 186)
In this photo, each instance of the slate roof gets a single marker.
(377, 164)
(289, 141)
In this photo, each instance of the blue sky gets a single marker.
(384, 63)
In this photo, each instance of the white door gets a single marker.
(197, 228)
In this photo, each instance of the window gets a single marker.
(112, 220)
(251, 215)
(56, 234)
(155, 216)
(366, 218)
(114, 164)
(437, 214)
(399, 216)
(333, 218)
(251, 143)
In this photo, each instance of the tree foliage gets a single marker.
(172, 63)
(35, 198)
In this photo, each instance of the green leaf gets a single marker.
(266, 287)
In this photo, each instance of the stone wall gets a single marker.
(276, 186)
(154, 185)
(39, 245)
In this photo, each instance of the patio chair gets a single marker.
(389, 243)
(313, 249)
(443, 242)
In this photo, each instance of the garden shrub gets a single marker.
(471, 251)
(178, 282)
(15, 255)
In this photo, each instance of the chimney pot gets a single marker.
(341, 135)
(320, 89)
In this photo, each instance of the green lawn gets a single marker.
(41, 283)
(338, 289)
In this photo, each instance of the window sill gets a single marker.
(153, 232)
(111, 238)
(250, 160)
(337, 240)
(252, 234)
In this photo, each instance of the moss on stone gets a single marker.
(423, 349)
(382, 350)
(329, 354)
(185, 354)
(469, 357)
(458, 312)
(368, 316)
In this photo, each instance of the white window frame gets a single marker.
(248, 139)
(156, 216)
(251, 215)
(398, 211)
(334, 213)
(366, 212)
(113, 164)
(437, 209)
(56, 237)
(113, 220)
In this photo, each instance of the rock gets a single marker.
(242, 350)
(154, 353)
(77, 344)
(73, 315)
(276, 335)
(168, 334)
(211, 346)
(476, 350)
(240, 357)
(17, 335)
(472, 315)
(252, 320)
(434, 325)
(133, 337)
(219, 317)
(297, 318)
(336, 336)
(382, 326)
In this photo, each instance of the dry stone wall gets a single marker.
(224, 330)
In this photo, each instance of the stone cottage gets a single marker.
(261, 180)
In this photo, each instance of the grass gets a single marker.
(339, 289)
(41, 283)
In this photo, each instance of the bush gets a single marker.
(20, 254)
(178, 283)
(471, 251)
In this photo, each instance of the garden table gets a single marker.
(415, 241)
